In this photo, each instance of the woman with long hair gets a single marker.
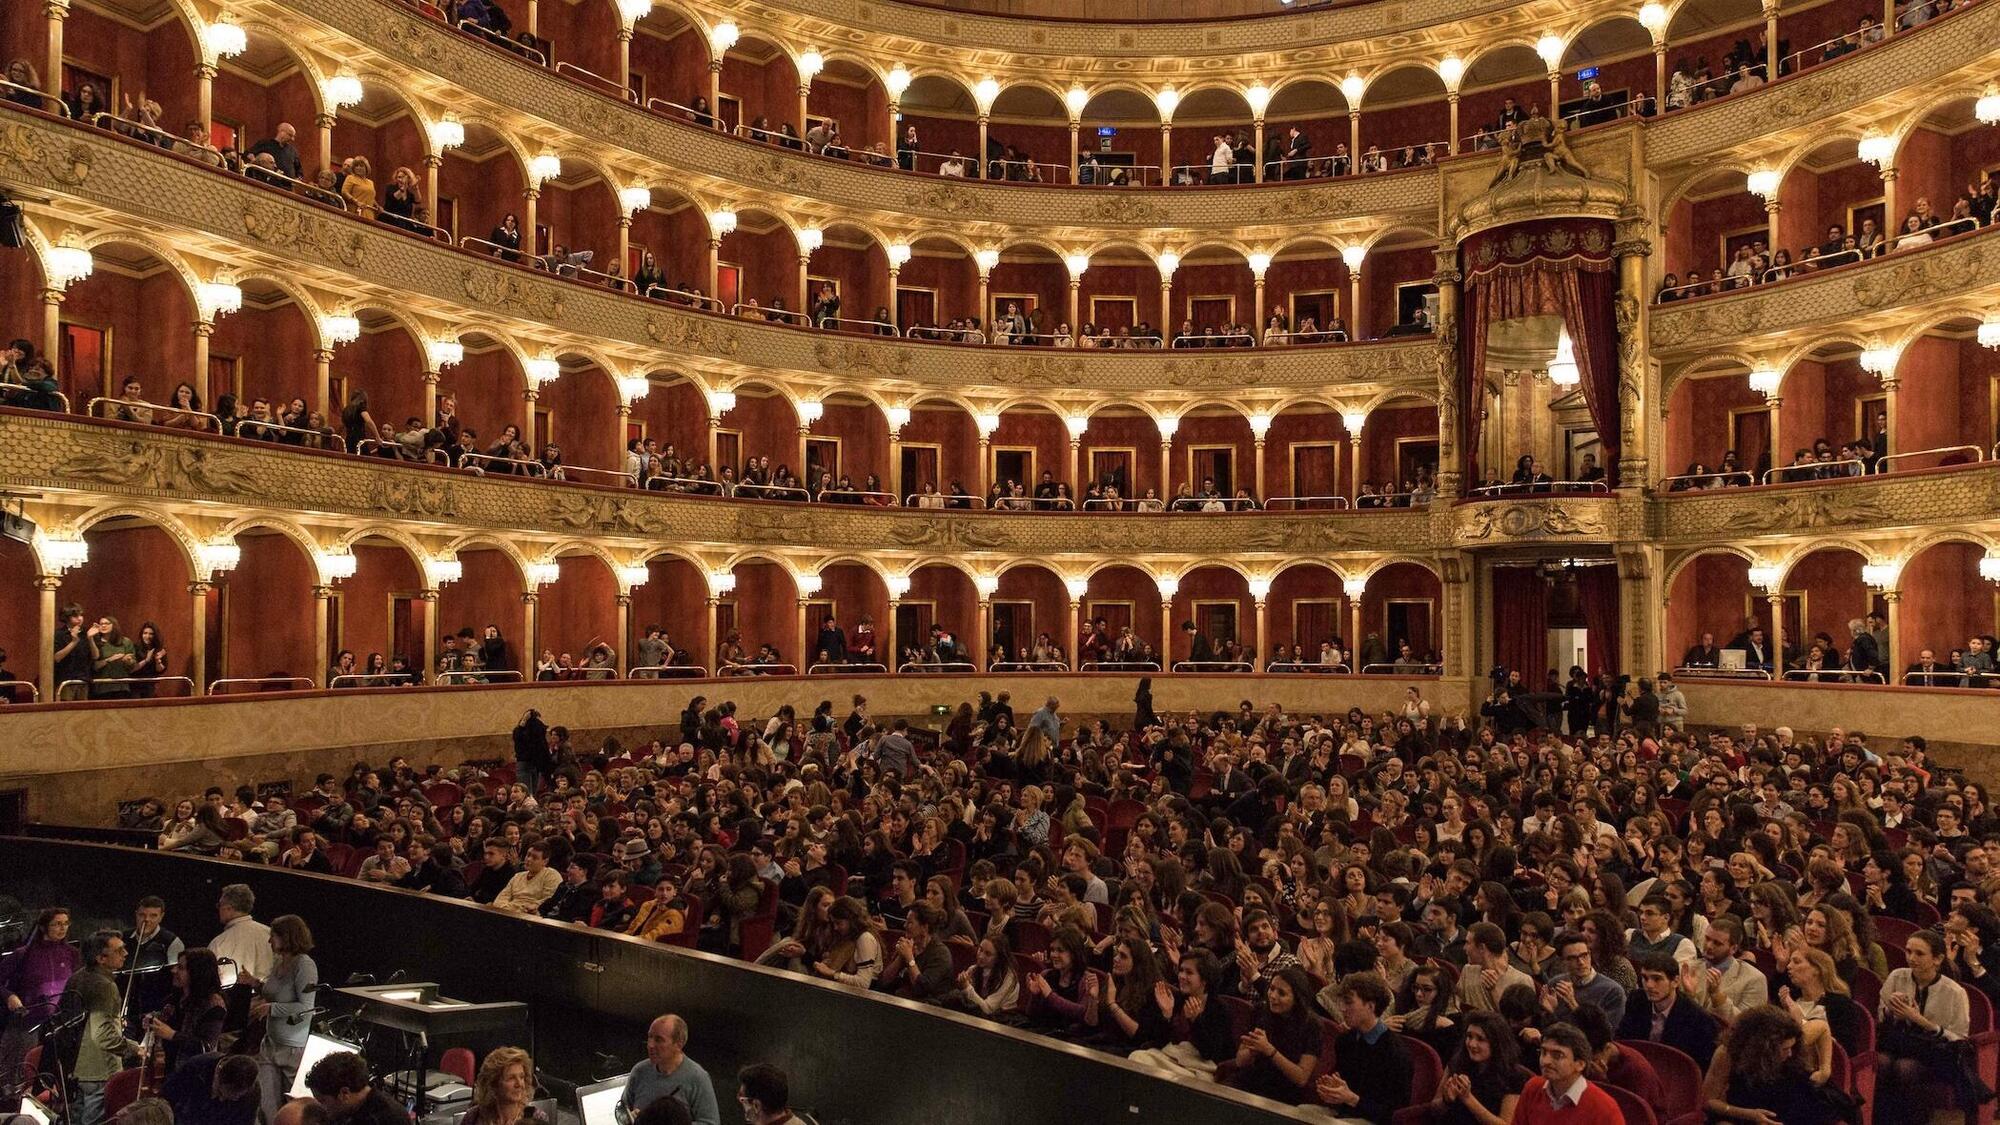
(854, 953)
(1831, 931)
(1277, 1058)
(1055, 997)
(811, 936)
(190, 1023)
(1326, 927)
(1483, 1082)
(504, 1091)
(1199, 1036)
(991, 986)
(1756, 1074)
(1425, 1008)
(1923, 1014)
(284, 1005)
(1820, 1000)
(1123, 1010)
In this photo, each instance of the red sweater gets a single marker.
(1595, 1108)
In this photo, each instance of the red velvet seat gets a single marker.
(121, 1090)
(460, 1064)
(1631, 1105)
(1680, 1077)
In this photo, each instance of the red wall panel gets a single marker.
(269, 604)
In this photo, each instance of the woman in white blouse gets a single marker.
(1923, 1012)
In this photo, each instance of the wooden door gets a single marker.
(407, 630)
(920, 468)
(1409, 621)
(822, 455)
(1217, 620)
(913, 628)
(1750, 437)
(728, 286)
(84, 364)
(1313, 620)
(1315, 472)
(1216, 463)
(1013, 626)
(1211, 312)
(1114, 312)
(1113, 467)
(915, 306)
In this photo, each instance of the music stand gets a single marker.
(419, 1012)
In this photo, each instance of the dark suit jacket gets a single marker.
(1688, 1028)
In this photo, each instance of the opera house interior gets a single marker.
(1505, 631)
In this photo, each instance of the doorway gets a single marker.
(1013, 626)
(1215, 463)
(1014, 463)
(1315, 473)
(920, 467)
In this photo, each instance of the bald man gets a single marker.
(668, 1072)
(302, 1111)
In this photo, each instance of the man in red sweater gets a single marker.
(1561, 1095)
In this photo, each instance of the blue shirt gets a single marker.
(688, 1082)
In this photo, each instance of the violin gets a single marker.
(152, 1056)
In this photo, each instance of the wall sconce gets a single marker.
(1260, 424)
(1074, 100)
(987, 585)
(334, 565)
(1550, 49)
(632, 388)
(635, 199)
(224, 39)
(1353, 420)
(1451, 68)
(1766, 381)
(897, 81)
(899, 416)
(721, 582)
(1077, 424)
(1989, 331)
(1076, 588)
(721, 221)
(987, 423)
(68, 264)
(1354, 256)
(444, 353)
(634, 10)
(1354, 587)
(542, 371)
(1653, 17)
(634, 576)
(810, 411)
(1989, 567)
(61, 556)
(986, 259)
(541, 574)
(808, 585)
(447, 132)
(1169, 426)
(443, 572)
(720, 403)
(985, 92)
(1076, 264)
(1764, 183)
(1260, 263)
(1766, 577)
(339, 328)
(810, 64)
(899, 254)
(1167, 101)
(544, 167)
(1351, 88)
(1877, 149)
(723, 36)
(1880, 576)
(1168, 261)
(1168, 584)
(341, 91)
(218, 298)
(1260, 589)
(1259, 97)
(1987, 108)
(811, 239)
(1880, 362)
(898, 585)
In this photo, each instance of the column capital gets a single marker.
(323, 355)
(530, 597)
(1773, 205)
(322, 593)
(1890, 383)
(1889, 174)
(624, 601)
(199, 587)
(715, 66)
(53, 296)
(625, 33)
(531, 193)
(434, 160)
(625, 222)
(624, 410)
(1892, 596)
(204, 328)
(55, 9)
(48, 582)
(531, 395)
(431, 378)
(324, 120)
(206, 71)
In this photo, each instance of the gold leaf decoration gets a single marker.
(301, 232)
(846, 355)
(693, 334)
(37, 152)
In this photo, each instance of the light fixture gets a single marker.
(543, 573)
(1168, 584)
(1354, 587)
(634, 10)
(1259, 97)
(635, 199)
(342, 90)
(443, 572)
(721, 582)
(1880, 362)
(635, 576)
(1259, 263)
(1260, 589)
(1989, 567)
(810, 239)
(986, 259)
(1076, 264)
(720, 403)
(224, 39)
(447, 132)
(1653, 17)
(1989, 331)
(899, 254)
(220, 556)
(1353, 420)
(810, 411)
(1550, 48)
(1987, 108)
(444, 353)
(899, 416)
(1876, 149)
(722, 36)
(898, 584)
(1766, 380)
(985, 92)
(721, 221)
(632, 388)
(1764, 182)
(1169, 425)
(1077, 424)
(810, 64)
(60, 556)
(987, 423)
(1169, 261)
(1075, 99)
(218, 298)
(987, 585)
(542, 371)
(340, 328)
(335, 565)
(1260, 424)
(1563, 371)
(1351, 88)
(1451, 68)
(1353, 256)
(1167, 101)
(1076, 588)
(544, 167)
(1880, 576)
(68, 264)
(897, 82)
(1766, 577)
(809, 584)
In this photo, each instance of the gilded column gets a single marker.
(1261, 493)
(1167, 635)
(325, 123)
(714, 642)
(531, 632)
(54, 12)
(1639, 573)
(528, 399)
(1451, 145)
(323, 380)
(203, 330)
(984, 645)
(198, 639)
(46, 586)
(433, 161)
(430, 394)
(430, 600)
(624, 633)
(1456, 593)
(979, 158)
(895, 309)
(1894, 657)
(1444, 354)
(625, 60)
(1891, 198)
(1075, 635)
(1075, 159)
(715, 271)
(1892, 406)
(1660, 83)
(715, 93)
(1776, 600)
(1075, 287)
(1354, 142)
(322, 641)
(1771, 57)
(529, 243)
(1634, 365)
(805, 657)
(624, 245)
(890, 654)
(204, 97)
(1257, 654)
(1166, 152)
(895, 466)
(52, 300)
(804, 291)
(1259, 125)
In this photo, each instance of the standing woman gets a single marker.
(191, 1022)
(284, 1005)
(34, 978)
(152, 659)
(504, 1092)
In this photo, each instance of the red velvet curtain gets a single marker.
(1597, 590)
(1521, 622)
(1551, 267)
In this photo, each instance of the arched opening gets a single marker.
(137, 574)
(1823, 593)
(1829, 403)
(481, 196)
(20, 617)
(938, 448)
(578, 415)
(1029, 135)
(1029, 466)
(1133, 154)
(1718, 432)
(1400, 619)
(852, 94)
(671, 424)
(1948, 149)
(847, 621)
(583, 37)
(759, 269)
(941, 595)
(1118, 298)
(1307, 295)
(578, 213)
(1031, 608)
(1308, 460)
(1945, 603)
(383, 138)
(1406, 118)
(942, 112)
(120, 48)
(761, 613)
(1216, 601)
(578, 616)
(667, 258)
(1620, 50)
(1504, 82)
(1121, 460)
(1711, 606)
(852, 268)
(1399, 451)
(380, 608)
(675, 600)
(1211, 126)
(141, 303)
(1030, 282)
(1398, 282)
(848, 452)
(937, 290)
(760, 89)
(1550, 615)
(259, 93)
(1306, 619)
(484, 393)
(264, 354)
(669, 62)
(265, 609)
(1215, 455)
(1121, 620)
(385, 368)
(1709, 42)
(487, 594)
(1830, 196)
(1314, 111)
(1716, 220)
(1212, 300)
(765, 429)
